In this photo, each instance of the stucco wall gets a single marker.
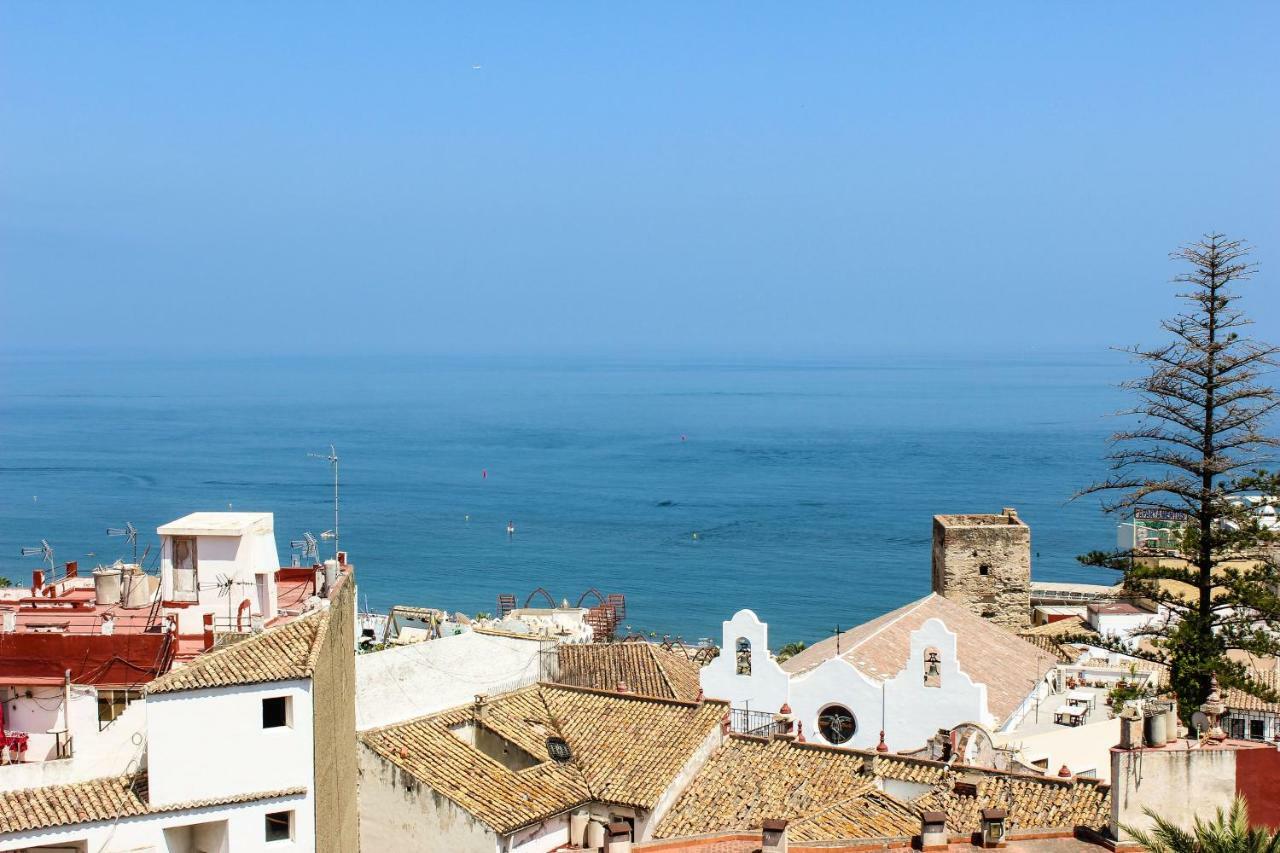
(766, 688)
(1180, 785)
(211, 743)
(398, 684)
(333, 691)
(399, 813)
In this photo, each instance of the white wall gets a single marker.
(766, 689)
(1120, 625)
(114, 751)
(238, 558)
(44, 711)
(1180, 785)
(211, 743)
(541, 838)
(246, 830)
(398, 684)
(1080, 748)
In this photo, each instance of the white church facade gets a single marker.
(929, 665)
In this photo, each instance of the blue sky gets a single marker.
(818, 179)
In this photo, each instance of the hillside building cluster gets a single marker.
(227, 703)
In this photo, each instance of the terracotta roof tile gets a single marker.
(99, 799)
(281, 653)
(988, 653)
(646, 668)
(1238, 700)
(830, 793)
(626, 750)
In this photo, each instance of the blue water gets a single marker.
(811, 486)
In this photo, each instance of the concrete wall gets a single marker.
(245, 829)
(211, 743)
(399, 813)
(240, 558)
(964, 544)
(541, 838)
(1181, 785)
(333, 691)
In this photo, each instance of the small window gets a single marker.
(280, 826)
(277, 712)
(984, 569)
(1237, 728)
(1255, 730)
(559, 750)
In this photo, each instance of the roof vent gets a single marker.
(559, 750)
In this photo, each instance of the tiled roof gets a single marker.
(1061, 628)
(987, 653)
(282, 653)
(646, 668)
(1032, 803)
(99, 799)
(830, 793)
(750, 779)
(1238, 700)
(626, 750)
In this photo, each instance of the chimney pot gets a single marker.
(933, 831)
(208, 631)
(37, 581)
(1064, 772)
(773, 836)
(73, 568)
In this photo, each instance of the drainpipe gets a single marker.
(66, 711)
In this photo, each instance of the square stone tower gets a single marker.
(984, 563)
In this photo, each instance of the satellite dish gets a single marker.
(1200, 722)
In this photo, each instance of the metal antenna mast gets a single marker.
(332, 459)
(130, 533)
(307, 544)
(45, 550)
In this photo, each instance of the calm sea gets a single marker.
(810, 486)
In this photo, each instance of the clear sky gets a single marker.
(768, 179)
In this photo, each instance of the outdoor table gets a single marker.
(1081, 697)
(1069, 715)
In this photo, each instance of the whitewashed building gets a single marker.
(249, 747)
(927, 666)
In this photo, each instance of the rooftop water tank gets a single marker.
(136, 592)
(106, 585)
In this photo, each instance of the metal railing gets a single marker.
(757, 723)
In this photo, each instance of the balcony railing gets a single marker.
(757, 723)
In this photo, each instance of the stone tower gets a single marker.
(984, 563)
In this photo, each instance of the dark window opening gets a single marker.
(111, 704)
(1255, 730)
(984, 569)
(275, 712)
(279, 826)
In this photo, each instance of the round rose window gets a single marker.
(837, 724)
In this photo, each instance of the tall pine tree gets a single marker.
(1197, 450)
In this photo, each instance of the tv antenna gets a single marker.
(307, 544)
(332, 459)
(130, 533)
(45, 551)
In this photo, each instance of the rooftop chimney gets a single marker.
(208, 631)
(993, 827)
(773, 836)
(933, 831)
(37, 581)
(73, 569)
(617, 838)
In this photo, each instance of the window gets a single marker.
(185, 585)
(280, 826)
(277, 712)
(111, 704)
(984, 569)
(1256, 730)
(1237, 728)
(743, 648)
(837, 724)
